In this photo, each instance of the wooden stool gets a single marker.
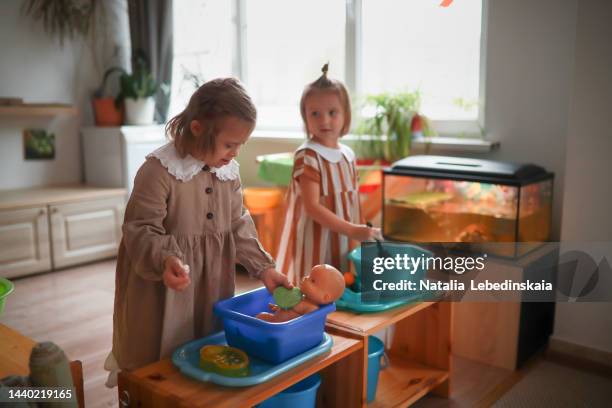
(266, 205)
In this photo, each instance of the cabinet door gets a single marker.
(85, 231)
(24, 242)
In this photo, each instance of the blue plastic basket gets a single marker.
(273, 342)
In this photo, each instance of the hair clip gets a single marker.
(325, 69)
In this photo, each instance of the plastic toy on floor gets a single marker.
(325, 284)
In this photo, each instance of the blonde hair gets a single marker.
(324, 84)
(209, 104)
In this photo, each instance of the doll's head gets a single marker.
(326, 108)
(325, 284)
(217, 121)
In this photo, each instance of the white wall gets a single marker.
(587, 200)
(35, 67)
(529, 68)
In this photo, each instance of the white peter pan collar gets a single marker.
(329, 153)
(184, 169)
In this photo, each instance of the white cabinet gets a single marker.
(85, 231)
(54, 227)
(113, 155)
(24, 241)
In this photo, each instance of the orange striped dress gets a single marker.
(304, 242)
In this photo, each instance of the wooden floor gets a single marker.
(74, 308)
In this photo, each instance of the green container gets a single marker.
(6, 287)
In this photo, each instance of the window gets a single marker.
(203, 44)
(277, 46)
(417, 45)
(287, 43)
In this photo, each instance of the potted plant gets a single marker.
(386, 133)
(107, 110)
(137, 90)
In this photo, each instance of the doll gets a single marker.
(325, 284)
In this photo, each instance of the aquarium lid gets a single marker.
(471, 169)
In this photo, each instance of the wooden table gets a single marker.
(419, 353)
(162, 385)
(15, 350)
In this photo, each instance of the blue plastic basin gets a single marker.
(272, 342)
(300, 395)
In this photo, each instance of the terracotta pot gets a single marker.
(106, 113)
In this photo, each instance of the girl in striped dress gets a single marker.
(323, 218)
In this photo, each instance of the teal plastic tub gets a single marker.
(300, 395)
(376, 350)
(6, 287)
(371, 303)
(390, 275)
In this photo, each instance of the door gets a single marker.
(85, 231)
(24, 242)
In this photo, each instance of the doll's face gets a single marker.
(325, 284)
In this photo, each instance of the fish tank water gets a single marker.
(429, 199)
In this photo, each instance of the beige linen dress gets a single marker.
(195, 214)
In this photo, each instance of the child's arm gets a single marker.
(144, 236)
(249, 251)
(325, 217)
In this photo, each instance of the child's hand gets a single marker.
(272, 279)
(176, 274)
(365, 233)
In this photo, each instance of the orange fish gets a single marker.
(446, 3)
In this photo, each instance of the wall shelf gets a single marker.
(37, 109)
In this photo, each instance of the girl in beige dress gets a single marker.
(323, 220)
(184, 230)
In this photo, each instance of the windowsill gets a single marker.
(430, 145)
(456, 144)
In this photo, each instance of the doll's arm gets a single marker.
(305, 307)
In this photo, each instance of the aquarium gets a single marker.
(452, 199)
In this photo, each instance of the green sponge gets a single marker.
(287, 298)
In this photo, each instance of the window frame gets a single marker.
(353, 65)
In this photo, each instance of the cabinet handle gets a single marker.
(54, 210)
(41, 212)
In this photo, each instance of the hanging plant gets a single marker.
(62, 18)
